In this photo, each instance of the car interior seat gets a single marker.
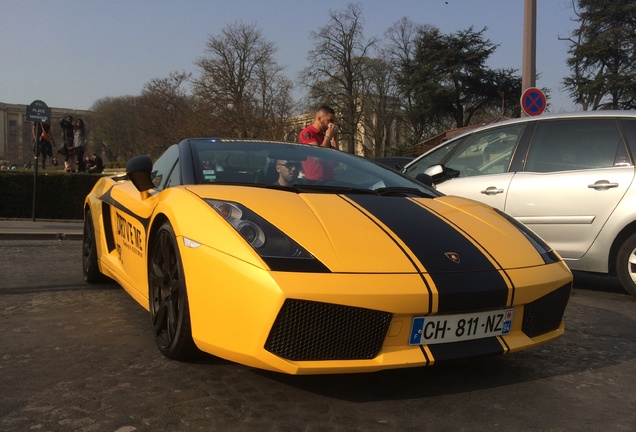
(268, 174)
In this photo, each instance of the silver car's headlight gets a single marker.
(276, 248)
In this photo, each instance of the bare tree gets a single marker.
(338, 69)
(399, 51)
(165, 110)
(117, 127)
(240, 81)
(382, 110)
(273, 101)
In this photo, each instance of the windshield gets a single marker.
(483, 152)
(296, 166)
(433, 157)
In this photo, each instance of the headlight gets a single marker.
(234, 215)
(547, 253)
(276, 248)
(250, 232)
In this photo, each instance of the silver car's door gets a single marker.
(567, 209)
(576, 173)
(489, 189)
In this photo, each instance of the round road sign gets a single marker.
(533, 101)
(38, 111)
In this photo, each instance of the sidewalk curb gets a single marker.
(40, 236)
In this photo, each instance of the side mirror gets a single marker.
(435, 171)
(138, 170)
(425, 179)
(441, 173)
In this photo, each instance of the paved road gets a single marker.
(81, 358)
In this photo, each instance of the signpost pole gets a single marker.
(529, 63)
(36, 147)
(38, 111)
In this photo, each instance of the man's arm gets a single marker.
(330, 137)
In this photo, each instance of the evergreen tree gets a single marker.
(450, 79)
(602, 58)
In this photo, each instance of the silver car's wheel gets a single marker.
(626, 265)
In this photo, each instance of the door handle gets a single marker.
(492, 190)
(602, 185)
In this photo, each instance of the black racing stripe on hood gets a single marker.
(411, 260)
(472, 283)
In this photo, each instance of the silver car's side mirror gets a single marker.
(435, 171)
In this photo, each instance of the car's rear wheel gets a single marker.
(90, 267)
(626, 264)
(169, 310)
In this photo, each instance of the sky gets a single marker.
(70, 53)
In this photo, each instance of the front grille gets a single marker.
(307, 330)
(545, 314)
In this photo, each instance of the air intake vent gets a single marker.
(306, 330)
(545, 314)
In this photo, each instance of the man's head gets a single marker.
(288, 171)
(324, 116)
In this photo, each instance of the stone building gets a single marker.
(15, 131)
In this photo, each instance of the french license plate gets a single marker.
(437, 329)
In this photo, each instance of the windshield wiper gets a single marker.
(322, 189)
(331, 189)
(385, 191)
(402, 191)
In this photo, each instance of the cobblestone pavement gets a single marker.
(75, 357)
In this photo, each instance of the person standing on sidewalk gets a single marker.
(322, 132)
(68, 150)
(43, 141)
(79, 143)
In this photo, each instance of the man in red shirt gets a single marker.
(321, 133)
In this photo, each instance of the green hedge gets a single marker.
(58, 195)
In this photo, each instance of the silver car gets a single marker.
(569, 177)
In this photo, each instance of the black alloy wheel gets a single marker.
(169, 310)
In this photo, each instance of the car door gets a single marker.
(575, 174)
(480, 165)
(129, 216)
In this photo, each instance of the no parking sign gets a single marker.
(533, 101)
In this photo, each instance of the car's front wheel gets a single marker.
(626, 264)
(169, 310)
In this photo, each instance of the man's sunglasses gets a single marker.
(290, 165)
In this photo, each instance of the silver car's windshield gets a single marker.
(480, 153)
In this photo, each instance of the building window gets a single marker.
(13, 131)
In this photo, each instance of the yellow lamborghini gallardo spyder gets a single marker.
(306, 260)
